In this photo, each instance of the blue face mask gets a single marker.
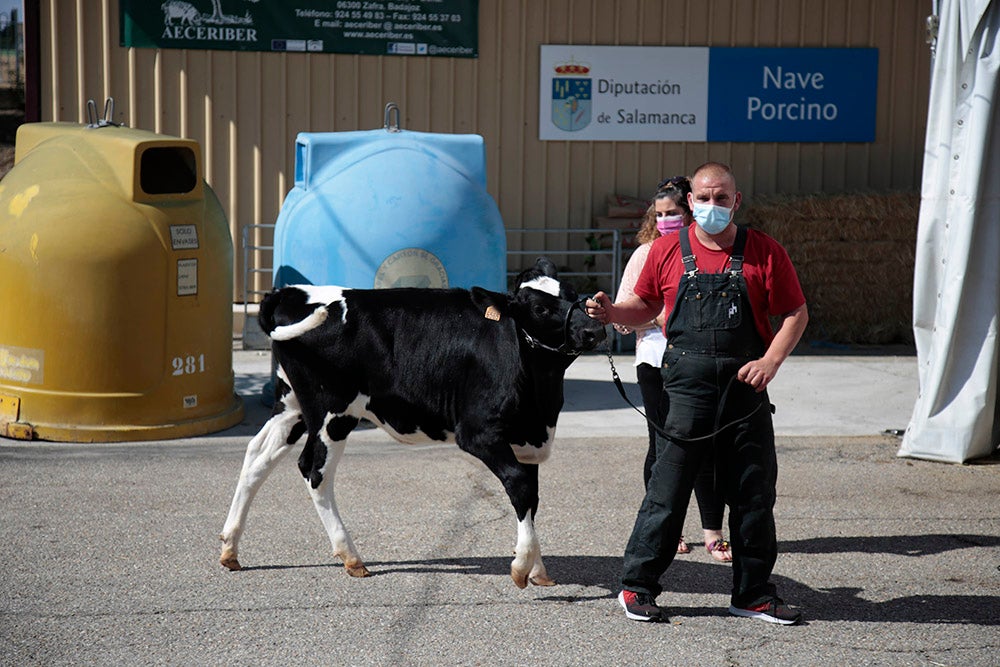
(713, 219)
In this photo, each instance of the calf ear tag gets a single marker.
(492, 314)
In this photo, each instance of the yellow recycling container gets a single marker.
(116, 269)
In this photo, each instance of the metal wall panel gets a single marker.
(246, 108)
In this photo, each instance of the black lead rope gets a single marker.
(566, 347)
(718, 412)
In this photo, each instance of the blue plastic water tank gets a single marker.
(390, 208)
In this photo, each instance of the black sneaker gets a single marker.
(772, 611)
(640, 606)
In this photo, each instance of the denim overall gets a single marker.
(711, 335)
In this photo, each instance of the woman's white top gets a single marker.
(650, 342)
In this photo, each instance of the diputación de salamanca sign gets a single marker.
(600, 93)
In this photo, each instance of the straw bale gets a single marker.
(624, 206)
(854, 254)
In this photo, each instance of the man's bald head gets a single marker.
(714, 183)
(715, 170)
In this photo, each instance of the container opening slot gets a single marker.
(168, 170)
(301, 154)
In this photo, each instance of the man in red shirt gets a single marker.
(720, 284)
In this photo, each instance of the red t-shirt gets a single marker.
(772, 284)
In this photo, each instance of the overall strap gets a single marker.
(686, 255)
(736, 258)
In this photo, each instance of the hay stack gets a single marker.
(854, 254)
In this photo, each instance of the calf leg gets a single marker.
(520, 480)
(266, 448)
(319, 469)
(528, 551)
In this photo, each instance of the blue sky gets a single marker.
(7, 5)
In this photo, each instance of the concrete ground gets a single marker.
(109, 552)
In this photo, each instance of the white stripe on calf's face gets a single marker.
(543, 284)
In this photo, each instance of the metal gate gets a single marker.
(598, 252)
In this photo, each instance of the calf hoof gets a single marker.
(355, 567)
(541, 580)
(358, 570)
(520, 578)
(229, 561)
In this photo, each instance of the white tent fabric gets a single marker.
(956, 295)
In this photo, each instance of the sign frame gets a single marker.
(707, 94)
(368, 27)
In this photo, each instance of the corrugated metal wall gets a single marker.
(246, 108)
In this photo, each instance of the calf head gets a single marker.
(549, 313)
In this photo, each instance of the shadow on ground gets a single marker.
(687, 577)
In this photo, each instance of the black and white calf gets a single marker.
(481, 369)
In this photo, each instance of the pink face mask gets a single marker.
(669, 223)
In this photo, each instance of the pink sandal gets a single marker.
(682, 546)
(720, 551)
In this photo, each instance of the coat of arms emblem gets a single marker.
(571, 96)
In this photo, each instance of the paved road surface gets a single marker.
(109, 552)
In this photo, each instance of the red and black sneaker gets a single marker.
(640, 606)
(772, 611)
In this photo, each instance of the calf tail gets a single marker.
(285, 314)
(289, 331)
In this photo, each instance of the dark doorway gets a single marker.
(12, 79)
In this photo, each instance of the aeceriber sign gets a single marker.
(405, 28)
(633, 93)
